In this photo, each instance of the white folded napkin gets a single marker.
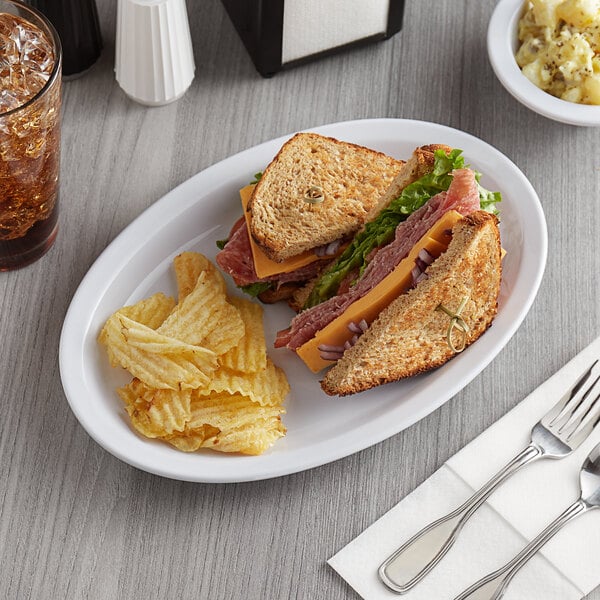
(568, 567)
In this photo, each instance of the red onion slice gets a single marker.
(354, 328)
(330, 348)
(333, 247)
(425, 256)
(422, 265)
(328, 249)
(331, 355)
(415, 272)
(330, 352)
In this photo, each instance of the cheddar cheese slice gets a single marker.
(435, 241)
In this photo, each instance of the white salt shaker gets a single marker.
(154, 60)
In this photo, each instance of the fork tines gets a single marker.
(578, 411)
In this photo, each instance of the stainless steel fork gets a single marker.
(556, 435)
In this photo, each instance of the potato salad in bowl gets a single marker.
(560, 48)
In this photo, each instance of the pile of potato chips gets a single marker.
(202, 377)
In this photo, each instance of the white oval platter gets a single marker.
(320, 428)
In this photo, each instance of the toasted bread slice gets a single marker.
(410, 335)
(350, 178)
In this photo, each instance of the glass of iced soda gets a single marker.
(30, 95)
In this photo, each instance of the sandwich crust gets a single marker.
(409, 336)
(419, 164)
(351, 179)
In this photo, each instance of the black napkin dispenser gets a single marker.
(279, 34)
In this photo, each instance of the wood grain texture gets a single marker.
(77, 523)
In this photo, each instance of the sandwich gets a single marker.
(417, 284)
(301, 211)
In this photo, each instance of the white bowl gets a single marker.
(502, 44)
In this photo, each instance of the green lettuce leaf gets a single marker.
(487, 199)
(254, 289)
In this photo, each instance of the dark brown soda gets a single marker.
(29, 145)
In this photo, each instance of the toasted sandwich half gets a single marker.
(309, 202)
(415, 333)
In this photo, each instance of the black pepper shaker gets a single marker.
(79, 29)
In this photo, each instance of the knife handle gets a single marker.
(420, 554)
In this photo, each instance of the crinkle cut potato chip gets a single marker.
(228, 411)
(242, 425)
(156, 413)
(253, 439)
(157, 360)
(193, 439)
(250, 354)
(188, 266)
(267, 388)
(150, 312)
(201, 375)
(205, 318)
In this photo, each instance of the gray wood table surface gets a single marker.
(75, 522)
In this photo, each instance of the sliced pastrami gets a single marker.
(236, 257)
(236, 260)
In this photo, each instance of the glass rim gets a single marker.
(57, 63)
